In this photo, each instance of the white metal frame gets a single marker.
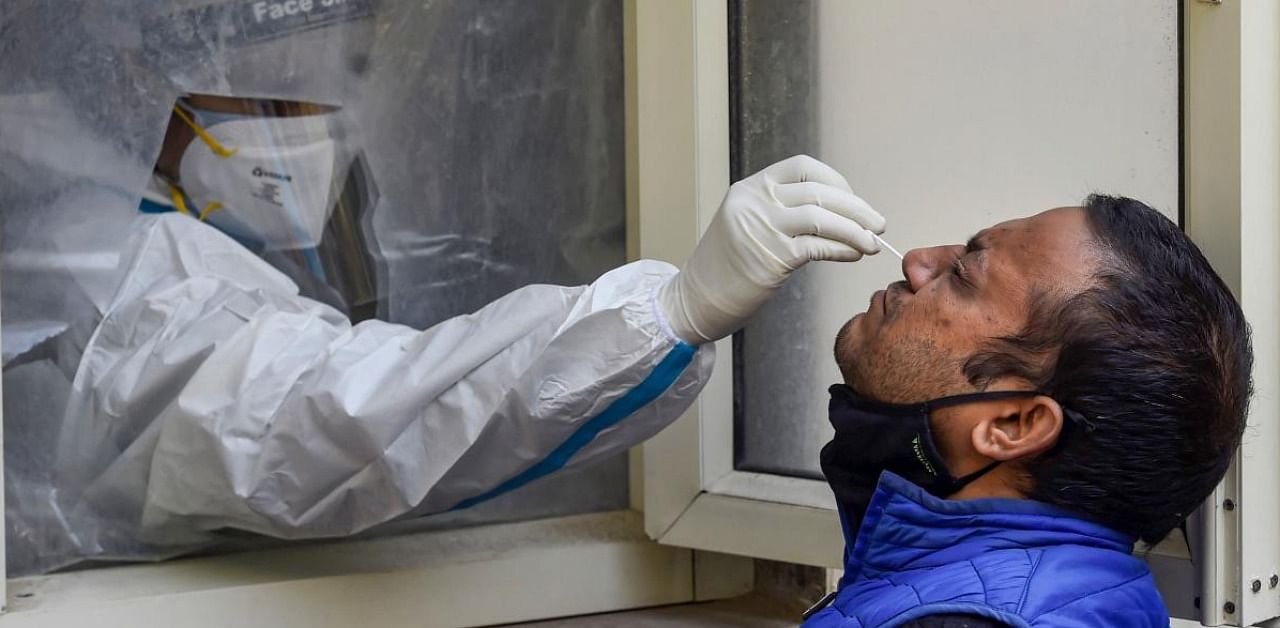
(1232, 187)
(694, 498)
(470, 577)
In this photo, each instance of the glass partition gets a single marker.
(490, 138)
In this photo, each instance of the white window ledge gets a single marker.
(467, 577)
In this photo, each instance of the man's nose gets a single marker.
(920, 266)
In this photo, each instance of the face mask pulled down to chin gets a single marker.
(872, 437)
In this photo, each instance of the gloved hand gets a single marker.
(768, 225)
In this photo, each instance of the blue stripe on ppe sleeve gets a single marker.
(658, 381)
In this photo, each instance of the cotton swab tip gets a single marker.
(887, 246)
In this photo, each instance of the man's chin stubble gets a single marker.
(907, 370)
(843, 362)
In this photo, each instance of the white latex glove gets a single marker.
(769, 224)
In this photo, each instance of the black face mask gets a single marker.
(872, 437)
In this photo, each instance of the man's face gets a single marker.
(912, 342)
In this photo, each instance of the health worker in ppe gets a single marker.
(220, 391)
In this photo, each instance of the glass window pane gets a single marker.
(774, 97)
(492, 133)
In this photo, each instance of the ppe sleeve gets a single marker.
(214, 396)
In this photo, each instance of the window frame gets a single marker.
(466, 577)
(1231, 166)
(693, 496)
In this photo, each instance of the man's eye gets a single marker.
(958, 271)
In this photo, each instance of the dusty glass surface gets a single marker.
(493, 132)
(774, 91)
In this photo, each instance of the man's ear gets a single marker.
(1024, 428)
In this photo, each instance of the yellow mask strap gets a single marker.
(217, 148)
(209, 209)
(180, 204)
(179, 201)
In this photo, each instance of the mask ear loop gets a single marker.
(963, 481)
(209, 140)
(209, 209)
(1079, 419)
(180, 204)
(179, 201)
(1074, 416)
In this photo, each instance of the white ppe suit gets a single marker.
(212, 395)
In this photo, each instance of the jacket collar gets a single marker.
(905, 527)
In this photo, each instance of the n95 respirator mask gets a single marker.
(267, 180)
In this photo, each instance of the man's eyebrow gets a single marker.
(979, 241)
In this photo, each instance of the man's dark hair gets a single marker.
(1155, 356)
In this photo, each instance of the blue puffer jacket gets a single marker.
(1020, 562)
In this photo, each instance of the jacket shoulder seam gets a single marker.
(986, 595)
(1091, 594)
(1031, 573)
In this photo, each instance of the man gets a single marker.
(1037, 400)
